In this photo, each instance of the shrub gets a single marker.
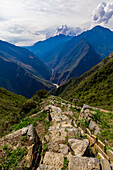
(39, 95)
(27, 106)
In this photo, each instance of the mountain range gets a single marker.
(21, 71)
(45, 49)
(24, 70)
(73, 57)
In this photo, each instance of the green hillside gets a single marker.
(95, 87)
(10, 105)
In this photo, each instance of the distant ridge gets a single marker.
(21, 71)
(45, 49)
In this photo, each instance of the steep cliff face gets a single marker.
(78, 60)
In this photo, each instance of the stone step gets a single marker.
(83, 163)
(55, 160)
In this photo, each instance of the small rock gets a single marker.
(31, 132)
(59, 139)
(47, 138)
(88, 119)
(75, 125)
(82, 133)
(24, 131)
(63, 149)
(72, 132)
(66, 125)
(92, 125)
(86, 106)
(53, 147)
(96, 130)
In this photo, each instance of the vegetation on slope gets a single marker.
(95, 87)
(10, 104)
(14, 108)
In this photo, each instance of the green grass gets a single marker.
(105, 122)
(15, 109)
(94, 87)
(12, 158)
(41, 117)
(65, 166)
(10, 105)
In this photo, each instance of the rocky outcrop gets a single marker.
(24, 138)
(87, 115)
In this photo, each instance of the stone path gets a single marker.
(65, 140)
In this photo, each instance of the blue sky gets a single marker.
(24, 22)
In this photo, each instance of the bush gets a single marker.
(39, 95)
(27, 106)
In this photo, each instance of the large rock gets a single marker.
(83, 163)
(79, 146)
(54, 159)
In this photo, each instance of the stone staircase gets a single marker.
(68, 147)
(66, 143)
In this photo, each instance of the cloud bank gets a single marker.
(103, 13)
(65, 30)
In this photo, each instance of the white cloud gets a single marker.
(72, 31)
(65, 30)
(30, 20)
(103, 13)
